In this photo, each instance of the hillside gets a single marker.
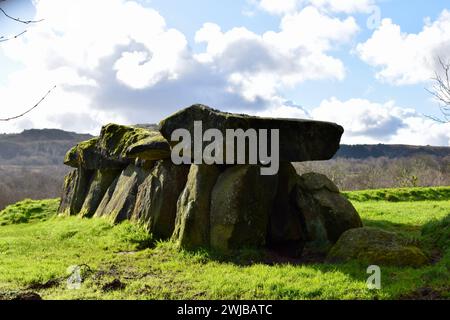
(37, 147)
(31, 163)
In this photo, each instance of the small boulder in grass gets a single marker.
(376, 246)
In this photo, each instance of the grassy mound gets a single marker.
(122, 261)
(29, 211)
(400, 194)
(437, 233)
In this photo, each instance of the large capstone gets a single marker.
(299, 140)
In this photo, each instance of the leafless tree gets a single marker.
(441, 90)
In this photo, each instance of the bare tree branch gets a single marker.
(3, 38)
(440, 90)
(18, 19)
(31, 109)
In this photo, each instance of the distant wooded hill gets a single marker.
(48, 146)
(364, 151)
(37, 147)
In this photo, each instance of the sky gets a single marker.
(364, 64)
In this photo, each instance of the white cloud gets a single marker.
(72, 48)
(125, 64)
(407, 58)
(370, 122)
(281, 7)
(287, 111)
(258, 65)
(344, 6)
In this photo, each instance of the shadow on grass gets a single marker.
(427, 282)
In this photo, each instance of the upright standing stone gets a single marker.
(76, 186)
(67, 195)
(118, 205)
(100, 183)
(156, 202)
(193, 208)
(241, 202)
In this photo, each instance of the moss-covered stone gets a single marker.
(119, 200)
(101, 209)
(241, 202)
(71, 157)
(88, 155)
(326, 213)
(154, 147)
(67, 194)
(193, 208)
(299, 140)
(101, 181)
(117, 146)
(115, 140)
(375, 246)
(75, 190)
(156, 203)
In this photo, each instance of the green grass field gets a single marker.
(122, 262)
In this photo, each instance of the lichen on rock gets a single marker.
(154, 147)
(193, 208)
(116, 140)
(376, 246)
